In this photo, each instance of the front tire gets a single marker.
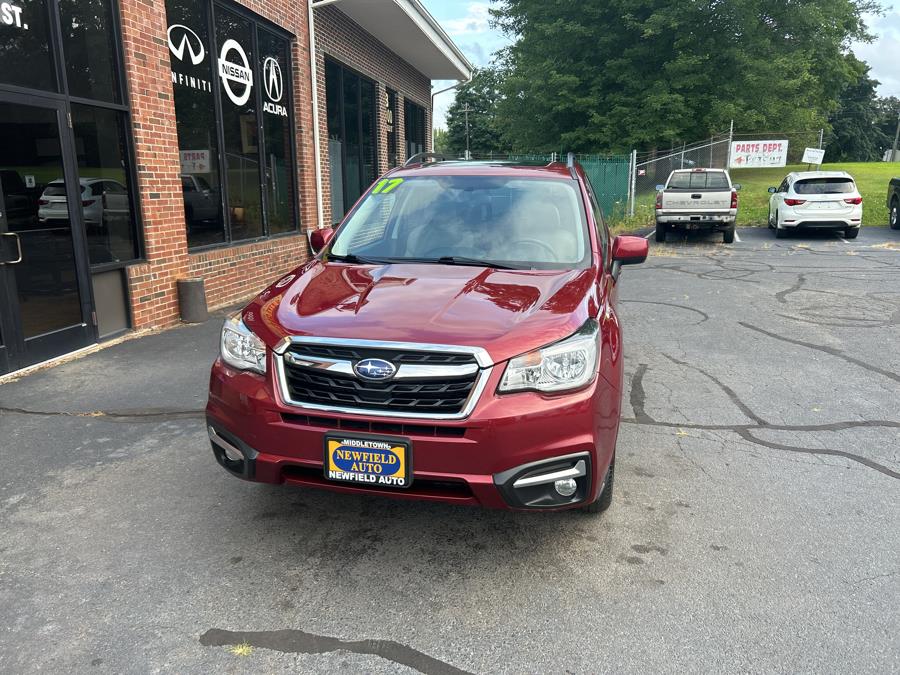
(895, 214)
(604, 501)
(661, 233)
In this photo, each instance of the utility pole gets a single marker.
(894, 157)
(466, 109)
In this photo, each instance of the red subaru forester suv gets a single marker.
(455, 339)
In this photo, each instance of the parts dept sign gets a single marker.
(11, 15)
(758, 154)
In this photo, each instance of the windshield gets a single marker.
(513, 222)
(824, 186)
(699, 180)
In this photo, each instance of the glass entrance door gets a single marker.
(45, 302)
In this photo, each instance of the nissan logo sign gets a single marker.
(272, 79)
(181, 39)
(235, 75)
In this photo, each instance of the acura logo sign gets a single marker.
(181, 39)
(235, 74)
(272, 79)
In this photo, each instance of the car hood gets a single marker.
(505, 312)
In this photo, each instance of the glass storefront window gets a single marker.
(25, 58)
(192, 63)
(107, 199)
(277, 132)
(352, 137)
(234, 111)
(237, 81)
(90, 49)
(415, 128)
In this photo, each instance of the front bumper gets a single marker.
(472, 461)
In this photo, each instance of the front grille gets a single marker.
(395, 356)
(432, 394)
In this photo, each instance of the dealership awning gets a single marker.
(407, 29)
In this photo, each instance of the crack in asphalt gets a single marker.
(837, 353)
(704, 315)
(301, 642)
(160, 414)
(744, 408)
(642, 418)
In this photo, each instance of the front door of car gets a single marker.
(45, 301)
(777, 199)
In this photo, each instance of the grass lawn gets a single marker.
(872, 178)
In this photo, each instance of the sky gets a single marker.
(468, 23)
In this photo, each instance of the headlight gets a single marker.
(241, 349)
(568, 364)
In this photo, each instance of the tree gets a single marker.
(481, 95)
(441, 141)
(857, 136)
(888, 114)
(591, 75)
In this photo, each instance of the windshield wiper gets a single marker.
(354, 259)
(470, 262)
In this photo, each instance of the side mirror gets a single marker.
(737, 187)
(318, 239)
(660, 188)
(772, 191)
(629, 250)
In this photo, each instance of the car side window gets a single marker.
(97, 189)
(784, 186)
(600, 222)
(187, 185)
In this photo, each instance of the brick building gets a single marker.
(147, 141)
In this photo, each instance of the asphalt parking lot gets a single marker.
(756, 525)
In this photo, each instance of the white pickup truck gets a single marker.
(697, 199)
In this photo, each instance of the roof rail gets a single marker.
(422, 156)
(570, 162)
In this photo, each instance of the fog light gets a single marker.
(566, 487)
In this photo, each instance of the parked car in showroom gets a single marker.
(697, 199)
(456, 339)
(821, 200)
(102, 201)
(893, 203)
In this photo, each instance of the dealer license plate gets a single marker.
(371, 461)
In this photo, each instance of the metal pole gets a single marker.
(317, 143)
(683, 146)
(730, 141)
(894, 157)
(821, 137)
(633, 182)
(466, 110)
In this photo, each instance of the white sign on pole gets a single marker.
(195, 161)
(758, 154)
(813, 156)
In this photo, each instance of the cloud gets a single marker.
(476, 20)
(881, 55)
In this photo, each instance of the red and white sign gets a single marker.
(758, 154)
(195, 161)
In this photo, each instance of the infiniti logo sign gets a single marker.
(375, 369)
(189, 41)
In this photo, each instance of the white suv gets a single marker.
(816, 199)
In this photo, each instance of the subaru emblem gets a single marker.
(375, 369)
